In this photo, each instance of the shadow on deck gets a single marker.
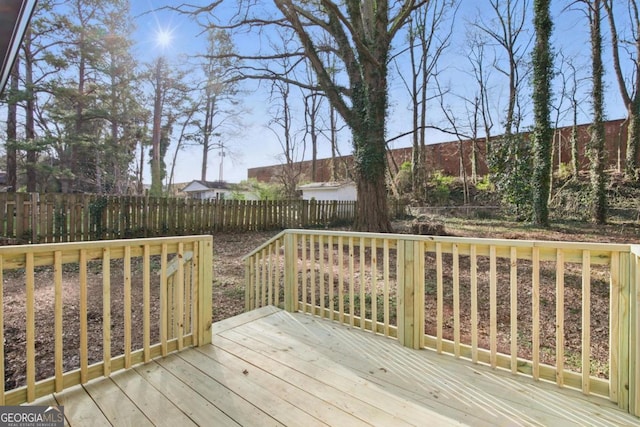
(270, 367)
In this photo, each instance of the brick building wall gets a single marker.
(445, 156)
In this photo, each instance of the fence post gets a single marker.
(35, 197)
(411, 293)
(205, 283)
(290, 279)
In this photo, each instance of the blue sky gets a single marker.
(257, 146)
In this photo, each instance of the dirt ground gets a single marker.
(228, 294)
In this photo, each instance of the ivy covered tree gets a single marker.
(596, 146)
(542, 132)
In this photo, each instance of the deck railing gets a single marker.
(108, 305)
(562, 312)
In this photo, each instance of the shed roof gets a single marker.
(325, 185)
(198, 185)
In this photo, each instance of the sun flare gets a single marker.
(164, 37)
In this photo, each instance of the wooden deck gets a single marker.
(269, 367)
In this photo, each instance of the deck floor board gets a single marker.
(273, 368)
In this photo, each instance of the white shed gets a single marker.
(346, 191)
(204, 190)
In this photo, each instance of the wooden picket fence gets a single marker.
(51, 218)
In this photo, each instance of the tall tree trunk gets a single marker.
(140, 187)
(542, 133)
(575, 156)
(370, 155)
(30, 130)
(208, 129)
(633, 138)
(597, 155)
(12, 129)
(334, 141)
(156, 168)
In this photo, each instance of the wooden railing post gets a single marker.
(205, 284)
(411, 293)
(629, 312)
(628, 332)
(290, 279)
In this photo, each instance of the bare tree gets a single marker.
(428, 38)
(477, 58)
(282, 126)
(510, 159)
(219, 94)
(312, 109)
(507, 29)
(455, 128)
(362, 33)
(170, 102)
(596, 146)
(629, 89)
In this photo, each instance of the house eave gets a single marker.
(14, 20)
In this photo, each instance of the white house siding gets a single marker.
(329, 191)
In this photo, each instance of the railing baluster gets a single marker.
(263, 277)
(146, 301)
(473, 255)
(331, 290)
(456, 301)
(535, 313)
(255, 274)
(440, 298)
(560, 318)
(179, 301)
(321, 267)
(513, 300)
(189, 306)
(385, 251)
(296, 272)
(312, 269)
(303, 244)
(106, 310)
(374, 286)
(84, 328)
(30, 326)
(127, 307)
(586, 320)
(363, 299)
(614, 327)
(57, 272)
(269, 267)
(163, 299)
(276, 267)
(493, 307)
(341, 279)
(351, 280)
